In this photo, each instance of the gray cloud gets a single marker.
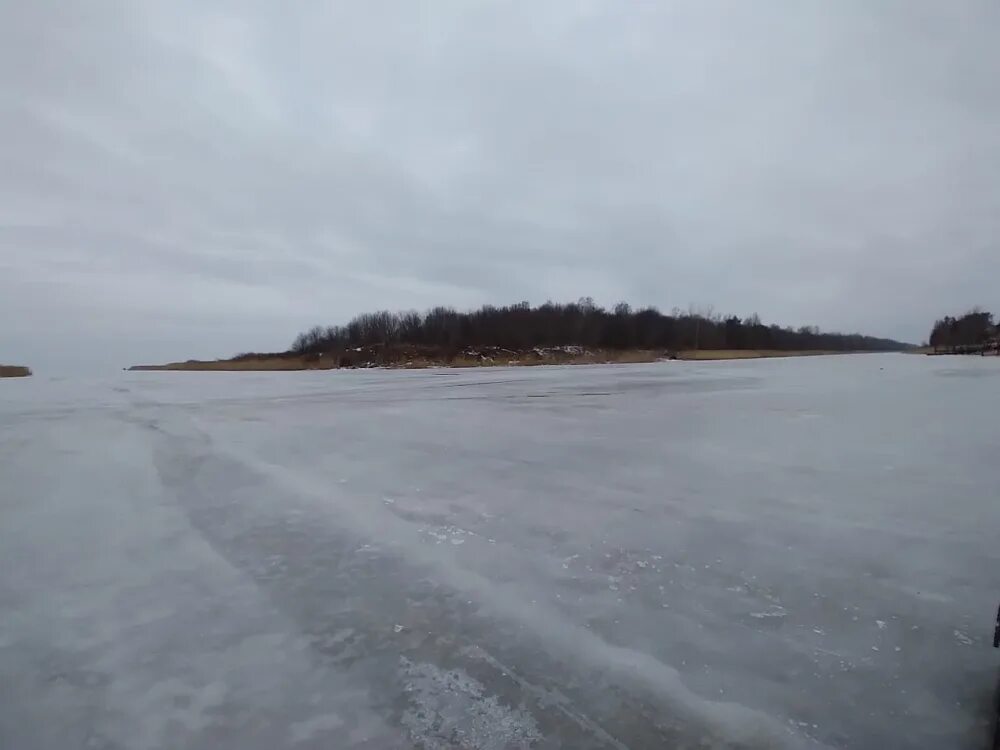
(193, 179)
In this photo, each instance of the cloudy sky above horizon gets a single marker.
(192, 179)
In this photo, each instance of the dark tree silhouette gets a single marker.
(975, 328)
(582, 323)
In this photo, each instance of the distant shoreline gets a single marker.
(576, 333)
(484, 358)
(988, 350)
(14, 371)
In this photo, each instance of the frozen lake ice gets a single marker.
(756, 554)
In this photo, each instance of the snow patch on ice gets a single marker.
(450, 709)
(453, 534)
(774, 611)
(962, 638)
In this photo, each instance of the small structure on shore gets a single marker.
(990, 347)
(14, 371)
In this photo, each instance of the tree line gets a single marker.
(582, 323)
(975, 328)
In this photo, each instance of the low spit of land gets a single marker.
(375, 356)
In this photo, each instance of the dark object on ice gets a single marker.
(996, 631)
(996, 727)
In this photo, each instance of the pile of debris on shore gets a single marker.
(377, 355)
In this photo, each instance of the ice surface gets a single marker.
(756, 554)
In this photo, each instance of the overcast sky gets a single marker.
(193, 179)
